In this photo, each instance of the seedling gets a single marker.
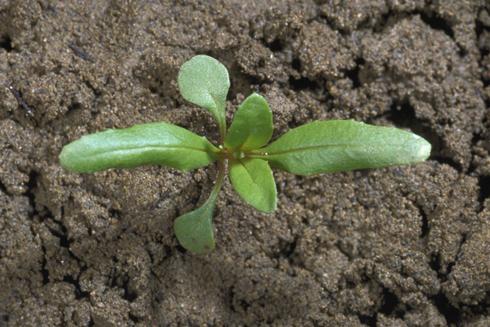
(317, 147)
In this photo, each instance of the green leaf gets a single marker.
(252, 125)
(194, 230)
(204, 81)
(254, 182)
(153, 143)
(340, 145)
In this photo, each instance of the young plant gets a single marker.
(317, 147)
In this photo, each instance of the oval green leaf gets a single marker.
(252, 125)
(194, 230)
(153, 143)
(204, 81)
(252, 179)
(341, 145)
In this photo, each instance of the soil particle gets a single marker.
(403, 246)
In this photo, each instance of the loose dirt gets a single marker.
(404, 246)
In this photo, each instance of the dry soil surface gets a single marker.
(404, 246)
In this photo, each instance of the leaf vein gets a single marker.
(319, 147)
(160, 147)
(251, 176)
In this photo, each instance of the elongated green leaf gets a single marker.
(194, 230)
(204, 81)
(340, 145)
(252, 125)
(254, 182)
(153, 143)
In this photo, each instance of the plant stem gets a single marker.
(222, 128)
(219, 180)
(220, 116)
(222, 132)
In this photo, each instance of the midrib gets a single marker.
(153, 147)
(319, 147)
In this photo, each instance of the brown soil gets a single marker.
(405, 246)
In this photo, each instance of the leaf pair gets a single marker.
(204, 81)
(317, 147)
(252, 177)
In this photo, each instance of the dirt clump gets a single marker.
(403, 246)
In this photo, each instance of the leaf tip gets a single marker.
(270, 209)
(423, 149)
(66, 158)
